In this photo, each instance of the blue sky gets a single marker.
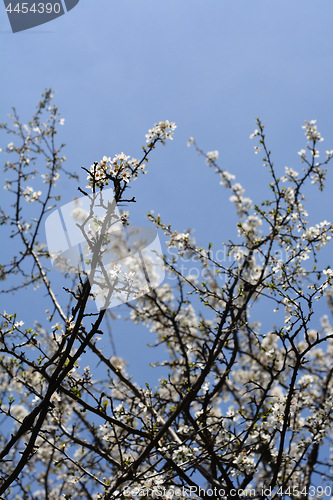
(119, 66)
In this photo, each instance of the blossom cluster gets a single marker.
(179, 240)
(161, 131)
(30, 195)
(311, 131)
(118, 168)
(211, 157)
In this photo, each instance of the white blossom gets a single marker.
(211, 156)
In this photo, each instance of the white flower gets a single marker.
(144, 407)
(205, 387)
(30, 195)
(178, 239)
(311, 131)
(307, 379)
(78, 213)
(121, 157)
(19, 411)
(211, 156)
(62, 121)
(118, 362)
(115, 271)
(245, 464)
(129, 276)
(126, 176)
(228, 176)
(198, 413)
(231, 411)
(291, 173)
(190, 141)
(162, 131)
(256, 132)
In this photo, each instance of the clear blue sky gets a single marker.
(211, 66)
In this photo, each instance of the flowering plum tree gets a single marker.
(239, 412)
